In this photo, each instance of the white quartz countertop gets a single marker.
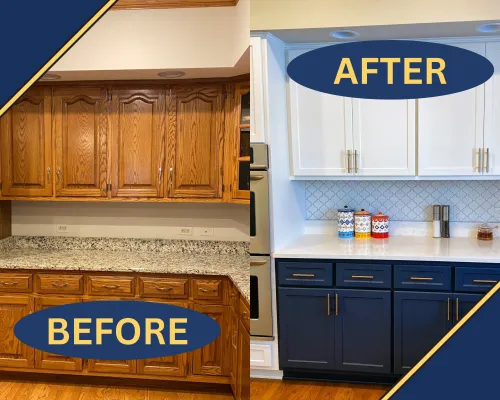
(409, 248)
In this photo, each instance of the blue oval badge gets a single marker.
(117, 330)
(390, 69)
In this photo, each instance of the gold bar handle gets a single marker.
(304, 275)
(348, 161)
(336, 304)
(355, 161)
(480, 161)
(487, 160)
(448, 308)
(483, 281)
(49, 174)
(456, 310)
(328, 304)
(362, 276)
(417, 278)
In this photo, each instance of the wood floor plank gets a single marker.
(262, 389)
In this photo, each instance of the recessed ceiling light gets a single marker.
(344, 34)
(171, 74)
(50, 77)
(489, 28)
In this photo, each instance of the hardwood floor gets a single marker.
(261, 389)
(23, 390)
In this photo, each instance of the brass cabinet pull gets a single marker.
(484, 281)
(355, 161)
(417, 278)
(362, 276)
(456, 310)
(448, 308)
(328, 304)
(160, 173)
(63, 284)
(8, 283)
(110, 286)
(336, 304)
(58, 175)
(257, 263)
(49, 170)
(304, 275)
(207, 290)
(163, 289)
(480, 160)
(487, 160)
(348, 153)
(170, 174)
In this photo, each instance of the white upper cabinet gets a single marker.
(257, 107)
(491, 155)
(450, 130)
(384, 137)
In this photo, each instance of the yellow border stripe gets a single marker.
(58, 55)
(441, 343)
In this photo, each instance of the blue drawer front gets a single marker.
(317, 274)
(421, 277)
(368, 276)
(479, 280)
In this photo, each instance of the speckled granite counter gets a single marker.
(130, 255)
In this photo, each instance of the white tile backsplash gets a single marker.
(470, 201)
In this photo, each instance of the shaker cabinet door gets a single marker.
(27, 146)
(138, 133)
(491, 160)
(81, 130)
(195, 142)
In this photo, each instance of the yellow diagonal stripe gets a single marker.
(58, 55)
(464, 320)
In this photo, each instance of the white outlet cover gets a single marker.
(188, 231)
(62, 228)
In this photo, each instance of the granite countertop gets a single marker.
(408, 248)
(130, 255)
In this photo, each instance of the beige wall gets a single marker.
(131, 220)
(297, 14)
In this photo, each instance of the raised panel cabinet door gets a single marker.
(306, 321)
(384, 137)
(450, 130)
(463, 303)
(243, 374)
(363, 330)
(196, 142)
(27, 146)
(320, 129)
(50, 361)
(491, 146)
(169, 365)
(81, 131)
(234, 350)
(421, 320)
(214, 358)
(138, 127)
(14, 353)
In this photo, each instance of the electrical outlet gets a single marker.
(206, 231)
(62, 229)
(188, 231)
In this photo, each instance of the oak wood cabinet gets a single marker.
(44, 360)
(138, 134)
(195, 141)
(81, 133)
(219, 362)
(14, 353)
(27, 146)
(243, 371)
(171, 143)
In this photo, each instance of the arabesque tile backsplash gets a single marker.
(470, 201)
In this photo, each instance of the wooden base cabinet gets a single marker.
(243, 371)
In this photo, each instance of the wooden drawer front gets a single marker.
(422, 277)
(305, 274)
(207, 289)
(64, 284)
(478, 280)
(16, 283)
(245, 314)
(111, 285)
(164, 287)
(364, 275)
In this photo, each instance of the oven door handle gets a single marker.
(256, 177)
(257, 263)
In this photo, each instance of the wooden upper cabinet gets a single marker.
(195, 141)
(81, 131)
(138, 125)
(27, 146)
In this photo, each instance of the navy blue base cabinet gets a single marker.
(370, 320)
